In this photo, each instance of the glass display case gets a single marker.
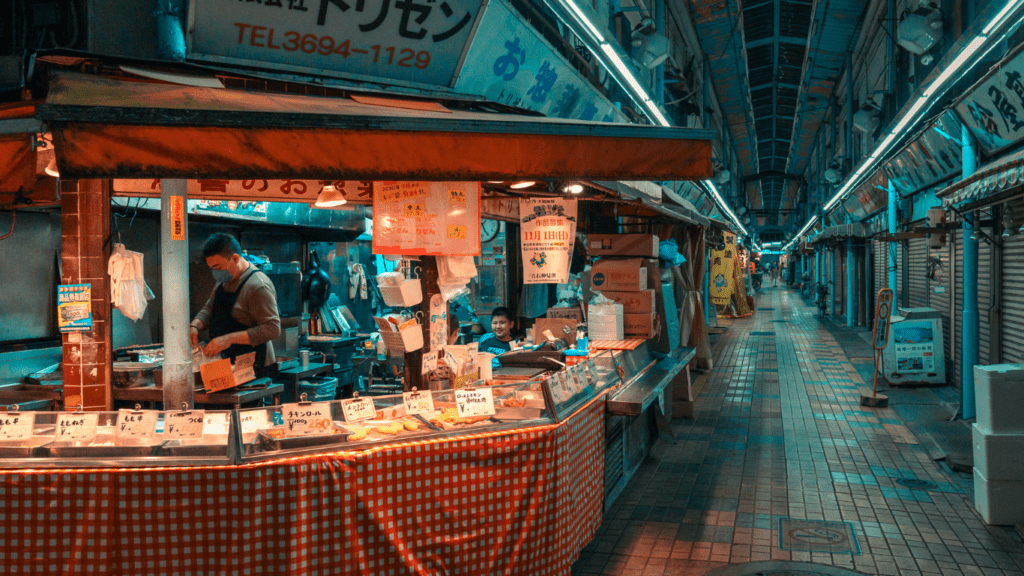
(364, 422)
(116, 439)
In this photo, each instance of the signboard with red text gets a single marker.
(417, 41)
(305, 191)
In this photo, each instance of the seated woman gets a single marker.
(499, 340)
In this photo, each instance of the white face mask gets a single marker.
(221, 276)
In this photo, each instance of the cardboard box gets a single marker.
(570, 312)
(627, 275)
(221, 374)
(638, 325)
(641, 302)
(555, 325)
(623, 245)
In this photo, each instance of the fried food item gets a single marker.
(275, 433)
(392, 428)
(358, 433)
(410, 424)
(513, 402)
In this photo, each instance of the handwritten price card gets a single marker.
(76, 427)
(426, 218)
(135, 425)
(429, 362)
(474, 402)
(307, 419)
(184, 425)
(557, 392)
(16, 425)
(216, 423)
(254, 421)
(358, 409)
(418, 402)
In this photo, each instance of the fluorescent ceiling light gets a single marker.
(1001, 16)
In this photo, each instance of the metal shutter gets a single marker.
(984, 290)
(840, 281)
(917, 265)
(1013, 290)
(939, 286)
(957, 239)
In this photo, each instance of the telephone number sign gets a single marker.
(410, 40)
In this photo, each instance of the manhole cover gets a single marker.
(817, 536)
(781, 568)
(916, 484)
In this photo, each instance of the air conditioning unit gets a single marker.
(920, 30)
(865, 120)
(650, 49)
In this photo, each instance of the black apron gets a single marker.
(222, 323)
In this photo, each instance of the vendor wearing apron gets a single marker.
(241, 314)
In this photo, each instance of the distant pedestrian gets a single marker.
(775, 275)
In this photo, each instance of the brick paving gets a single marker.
(779, 433)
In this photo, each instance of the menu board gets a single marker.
(547, 231)
(426, 218)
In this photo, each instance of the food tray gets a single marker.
(517, 413)
(217, 446)
(69, 450)
(23, 449)
(268, 442)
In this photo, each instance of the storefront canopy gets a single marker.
(105, 128)
(994, 177)
(839, 231)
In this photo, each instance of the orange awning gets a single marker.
(106, 128)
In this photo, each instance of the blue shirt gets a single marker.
(489, 343)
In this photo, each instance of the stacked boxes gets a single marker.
(627, 280)
(999, 443)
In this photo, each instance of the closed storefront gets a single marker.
(917, 271)
(1013, 288)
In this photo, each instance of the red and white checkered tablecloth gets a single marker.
(520, 502)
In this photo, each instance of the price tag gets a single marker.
(418, 402)
(184, 425)
(573, 380)
(254, 421)
(215, 423)
(557, 392)
(473, 402)
(132, 424)
(16, 425)
(358, 409)
(429, 362)
(307, 419)
(76, 427)
(592, 370)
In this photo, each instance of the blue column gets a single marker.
(969, 328)
(832, 280)
(659, 70)
(850, 268)
(891, 261)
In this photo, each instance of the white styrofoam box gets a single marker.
(998, 456)
(605, 322)
(999, 394)
(1000, 502)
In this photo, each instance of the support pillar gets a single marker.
(177, 366)
(891, 246)
(851, 268)
(969, 336)
(832, 280)
(87, 356)
(659, 70)
(707, 286)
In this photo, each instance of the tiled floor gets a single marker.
(779, 433)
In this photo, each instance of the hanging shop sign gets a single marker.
(547, 233)
(74, 307)
(883, 310)
(412, 41)
(354, 191)
(722, 272)
(511, 63)
(994, 110)
(934, 156)
(426, 218)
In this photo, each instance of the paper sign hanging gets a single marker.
(429, 362)
(307, 419)
(74, 307)
(547, 233)
(722, 272)
(438, 322)
(177, 218)
(417, 402)
(132, 424)
(426, 218)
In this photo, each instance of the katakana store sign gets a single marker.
(417, 41)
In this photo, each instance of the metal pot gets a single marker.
(133, 374)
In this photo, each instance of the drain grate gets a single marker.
(762, 333)
(817, 536)
(766, 308)
(917, 484)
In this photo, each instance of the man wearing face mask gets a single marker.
(241, 314)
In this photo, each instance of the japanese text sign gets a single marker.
(883, 310)
(994, 110)
(74, 307)
(16, 425)
(76, 427)
(474, 402)
(426, 218)
(358, 409)
(418, 402)
(132, 424)
(548, 232)
(221, 195)
(253, 421)
(410, 40)
(303, 419)
(184, 425)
